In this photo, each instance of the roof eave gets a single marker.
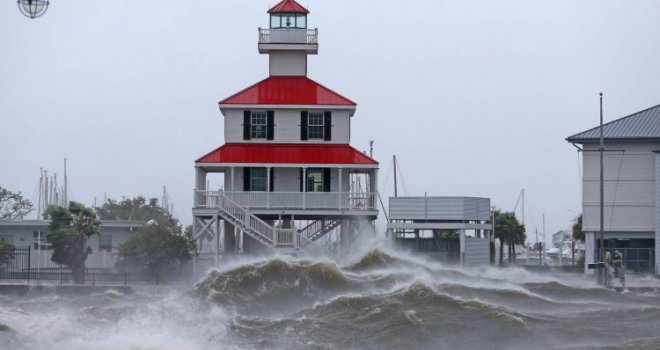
(626, 139)
(284, 106)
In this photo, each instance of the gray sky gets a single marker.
(475, 97)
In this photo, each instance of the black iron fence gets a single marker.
(15, 269)
(640, 260)
(14, 260)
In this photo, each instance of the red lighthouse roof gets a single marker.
(279, 90)
(288, 6)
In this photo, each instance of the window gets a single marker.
(301, 21)
(40, 241)
(314, 180)
(275, 21)
(258, 125)
(288, 20)
(258, 179)
(315, 126)
(105, 243)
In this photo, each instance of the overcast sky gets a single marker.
(474, 97)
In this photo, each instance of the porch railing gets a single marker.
(293, 36)
(289, 200)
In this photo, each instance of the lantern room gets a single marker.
(288, 14)
(288, 20)
(288, 30)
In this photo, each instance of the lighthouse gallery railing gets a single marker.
(286, 36)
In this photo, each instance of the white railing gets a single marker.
(241, 215)
(288, 35)
(277, 237)
(290, 200)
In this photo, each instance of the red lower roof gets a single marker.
(286, 153)
(287, 91)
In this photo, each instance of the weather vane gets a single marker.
(33, 8)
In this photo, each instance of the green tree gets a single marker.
(510, 232)
(578, 234)
(13, 205)
(68, 232)
(159, 250)
(446, 234)
(137, 209)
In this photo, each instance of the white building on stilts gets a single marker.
(290, 175)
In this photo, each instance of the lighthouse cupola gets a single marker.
(288, 14)
(288, 41)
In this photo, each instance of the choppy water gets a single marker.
(380, 300)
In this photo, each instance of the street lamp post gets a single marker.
(32, 8)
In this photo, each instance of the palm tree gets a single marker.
(69, 230)
(510, 232)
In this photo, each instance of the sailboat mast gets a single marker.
(395, 188)
(65, 194)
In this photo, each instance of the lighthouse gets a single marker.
(290, 175)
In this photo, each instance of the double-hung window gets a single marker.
(258, 125)
(314, 180)
(315, 126)
(258, 179)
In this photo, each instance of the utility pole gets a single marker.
(371, 148)
(523, 206)
(601, 244)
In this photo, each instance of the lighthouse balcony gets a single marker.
(288, 39)
(274, 203)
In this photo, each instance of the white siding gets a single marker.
(629, 188)
(477, 251)
(287, 180)
(439, 208)
(234, 126)
(657, 213)
(238, 180)
(620, 218)
(288, 63)
(287, 127)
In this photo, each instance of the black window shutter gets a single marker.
(302, 181)
(326, 180)
(246, 125)
(327, 125)
(270, 130)
(303, 125)
(272, 179)
(246, 179)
